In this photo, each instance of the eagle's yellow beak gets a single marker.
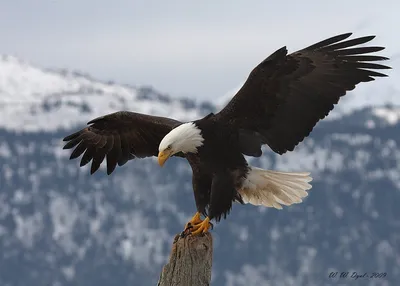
(163, 157)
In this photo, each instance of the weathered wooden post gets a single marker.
(190, 262)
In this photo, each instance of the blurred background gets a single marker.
(63, 63)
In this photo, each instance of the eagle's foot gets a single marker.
(196, 219)
(202, 227)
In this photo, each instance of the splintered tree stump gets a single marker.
(190, 262)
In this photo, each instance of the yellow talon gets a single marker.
(201, 227)
(196, 219)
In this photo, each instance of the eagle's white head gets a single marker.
(185, 138)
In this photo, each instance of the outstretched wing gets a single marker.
(119, 137)
(286, 95)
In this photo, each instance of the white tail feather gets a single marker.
(273, 188)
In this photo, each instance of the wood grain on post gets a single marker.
(190, 262)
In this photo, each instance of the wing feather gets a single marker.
(87, 156)
(118, 138)
(78, 151)
(114, 154)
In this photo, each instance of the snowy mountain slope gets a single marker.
(61, 226)
(32, 99)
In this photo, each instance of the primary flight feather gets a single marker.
(279, 104)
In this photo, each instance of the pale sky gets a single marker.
(201, 49)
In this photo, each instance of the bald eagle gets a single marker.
(279, 104)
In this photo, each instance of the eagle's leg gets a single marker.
(196, 219)
(201, 227)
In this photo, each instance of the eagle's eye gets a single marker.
(168, 148)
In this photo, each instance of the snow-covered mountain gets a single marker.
(33, 99)
(61, 226)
